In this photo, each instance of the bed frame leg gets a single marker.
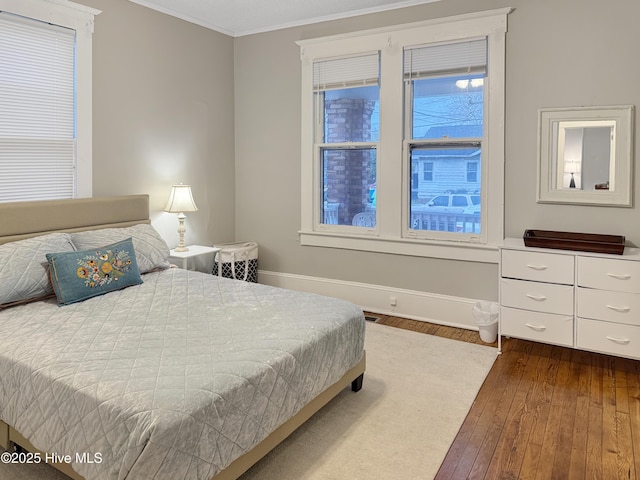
(356, 385)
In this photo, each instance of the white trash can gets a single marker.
(486, 316)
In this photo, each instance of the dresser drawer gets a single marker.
(538, 266)
(539, 327)
(537, 296)
(609, 274)
(608, 337)
(612, 306)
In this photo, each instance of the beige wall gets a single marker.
(163, 114)
(559, 53)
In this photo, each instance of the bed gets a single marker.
(170, 374)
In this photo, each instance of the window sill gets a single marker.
(402, 246)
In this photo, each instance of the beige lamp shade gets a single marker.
(180, 200)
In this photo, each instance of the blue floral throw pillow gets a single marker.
(76, 276)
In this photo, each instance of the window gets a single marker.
(346, 103)
(45, 100)
(427, 172)
(445, 101)
(472, 172)
(413, 142)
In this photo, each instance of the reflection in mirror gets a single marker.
(585, 155)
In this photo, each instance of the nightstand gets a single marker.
(193, 252)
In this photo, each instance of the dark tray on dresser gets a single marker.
(585, 242)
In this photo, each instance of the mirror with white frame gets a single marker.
(585, 155)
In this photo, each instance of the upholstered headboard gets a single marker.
(20, 220)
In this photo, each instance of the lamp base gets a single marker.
(181, 231)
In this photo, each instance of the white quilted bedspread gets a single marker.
(171, 379)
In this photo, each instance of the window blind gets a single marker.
(446, 59)
(37, 110)
(346, 72)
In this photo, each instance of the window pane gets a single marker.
(449, 203)
(446, 197)
(448, 107)
(472, 172)
(428, 171)
(349, 186)
(351, 115)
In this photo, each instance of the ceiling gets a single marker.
(245, 17)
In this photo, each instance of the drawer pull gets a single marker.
(619, 309)
(537, 267)
(537, 328)
(537, 298)
(621, 341)
(619, 276)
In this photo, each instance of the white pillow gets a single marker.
(24, 270)
(151, 250)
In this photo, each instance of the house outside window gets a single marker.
(373, 138)
(45, 100)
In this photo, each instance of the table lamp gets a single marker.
(180, 201)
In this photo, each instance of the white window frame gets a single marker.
(81, 19)
(393, 181)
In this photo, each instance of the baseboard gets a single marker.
(424, 306)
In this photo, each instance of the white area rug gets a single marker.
(417, 392)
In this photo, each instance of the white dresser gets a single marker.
(587, 301)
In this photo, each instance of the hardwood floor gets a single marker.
(545, 412)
